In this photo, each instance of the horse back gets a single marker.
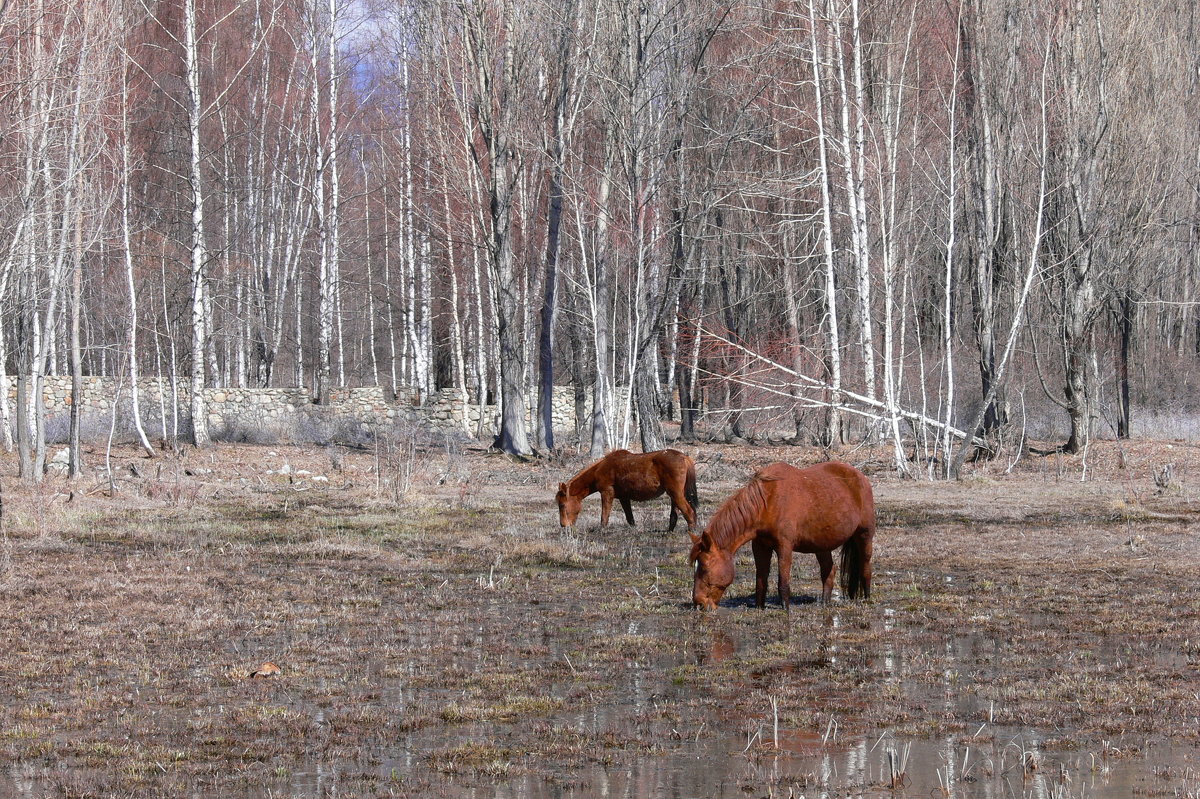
(642, 476)
(818, 507)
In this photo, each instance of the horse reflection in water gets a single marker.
(784, 510)
(628, 476)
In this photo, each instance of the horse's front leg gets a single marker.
(628, 507)
(606, 500)
(762, 571)
(825, 561)
(785, 577)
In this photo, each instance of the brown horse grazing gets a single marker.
(629, 476)
(784, 510)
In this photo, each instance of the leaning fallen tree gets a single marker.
(844, 399)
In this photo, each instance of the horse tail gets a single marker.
(855, 561)
(689, 488)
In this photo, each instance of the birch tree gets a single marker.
(496, 57)
(562, 111)
(126, 178)
(199, 249)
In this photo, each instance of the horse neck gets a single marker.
(583, 483)
(731, 542)
(736, 522)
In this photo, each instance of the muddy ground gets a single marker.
(1031, 633)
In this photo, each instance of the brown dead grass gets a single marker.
(454, 628)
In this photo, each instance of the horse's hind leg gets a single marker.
(674, 518)
(867, 546)
(825, 561)
(856, 563)
(680, 504)
(762, 572)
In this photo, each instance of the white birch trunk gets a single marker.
(601, 302)
(325, 279)
(867, 334)
(852, 151)
(951, 230)
(367, 264)
(388, 292)
(199, 254)
(893, 109)
(127, 241)
(833, 344)
(335, 192)
(456, 327)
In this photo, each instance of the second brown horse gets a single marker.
(628, 476)
(784, 510)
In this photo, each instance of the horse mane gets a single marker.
(738, 512)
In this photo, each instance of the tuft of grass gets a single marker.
(337, 547)
(482, 758)
(508, 709)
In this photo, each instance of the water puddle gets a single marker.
(697, 756)
(631, 708)
(1013, 767)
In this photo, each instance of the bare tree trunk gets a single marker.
(601, 306)
(730, 271)
(549, 301)
(490, 50)
(325, 298)
(557, 147)
(1031, 272)
(689, 382)
(24, 450)
(427, 358)
(372, 349)
(987, 211)
(389, 294)
(417, 302)
(199, 264)
(457, 334)
(854, 156)
(1076, 337)
(1082, 173)
(24, 328)
(334, 309)
(75, 466)
(127, 241)
(1125, 327)
(833, 422)
(6, 415)
(950, 273)
(791, 303)
(893, 110)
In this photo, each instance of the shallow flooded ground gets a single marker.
(1029, 635)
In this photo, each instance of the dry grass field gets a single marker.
(1034, 631)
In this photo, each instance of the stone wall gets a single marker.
(281, 409)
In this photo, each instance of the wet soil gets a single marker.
(1032, 632)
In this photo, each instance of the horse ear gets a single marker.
(562, 487)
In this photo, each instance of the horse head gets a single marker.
(714, 572)
(568, 506)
